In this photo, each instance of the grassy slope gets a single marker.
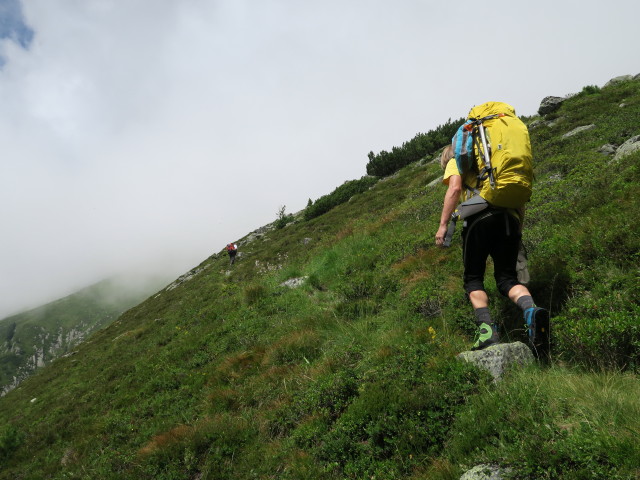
(57, 327)
(354, 374)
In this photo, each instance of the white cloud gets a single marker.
(157, 131)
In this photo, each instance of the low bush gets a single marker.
(340, 195)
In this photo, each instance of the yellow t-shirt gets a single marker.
(469, 179)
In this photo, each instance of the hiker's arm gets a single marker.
(450, 202)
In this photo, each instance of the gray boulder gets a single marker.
(607, 149)
(578, 130)
(498, 359)
(620, 79)
(434, 183)
(549, 105)
(485, 472)
(636, 77)
(627, 148)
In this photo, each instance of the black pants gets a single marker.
(494, 233)
(232, 256)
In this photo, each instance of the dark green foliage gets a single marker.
(423, 144)
(10, 440)
(590, 90)
(340, 195)
(399, 418)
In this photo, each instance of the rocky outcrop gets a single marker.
(620, 79)
(47, 347)
(607, 149)
(627, 148)
(550, 105)
(186, 277)
(485, 472)
(294, 282)
(578, 130)
(499, 359)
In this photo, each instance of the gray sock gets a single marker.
(483, 316)
(525, 302)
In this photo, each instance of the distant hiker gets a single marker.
(493, 188)
(232, 250)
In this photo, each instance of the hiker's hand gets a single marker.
(442, 231)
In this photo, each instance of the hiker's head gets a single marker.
(447, 154)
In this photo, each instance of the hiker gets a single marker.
(232, 250)
(490, 230)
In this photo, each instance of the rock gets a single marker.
(250, 238)
(607, 149)
(498, 359)
(620, 79)
(186, 277)
(636, 77)
(485, 472)
(549, 105)
(627, 148)
(306, 240)
(578, 130)
(294, 282)
(435, 182)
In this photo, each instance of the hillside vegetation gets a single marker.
(32, 339)
(229, 374)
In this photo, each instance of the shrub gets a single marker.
(254, 293)
(10, 440)
(340, 195)
(599, 332)
(283, 218)
(590, 90)
(385, 163)
(393, 423)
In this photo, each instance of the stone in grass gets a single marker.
(498, 359)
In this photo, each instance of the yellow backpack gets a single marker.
(502, 151)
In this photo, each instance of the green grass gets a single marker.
(353, 375)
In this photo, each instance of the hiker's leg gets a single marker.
(518, 292)
(487, 334)
(474, 257)
(479, 299)
(536, 319)
(474, 254)
(504, 252)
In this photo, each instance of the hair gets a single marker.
(447, 154)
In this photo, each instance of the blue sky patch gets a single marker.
(12, 24)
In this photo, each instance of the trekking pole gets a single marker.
(450, 230)
(486, 154)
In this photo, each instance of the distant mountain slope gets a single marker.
(34, 338)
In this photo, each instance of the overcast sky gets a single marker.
(150, 133)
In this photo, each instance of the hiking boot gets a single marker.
(487, 336)
(537, 324)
